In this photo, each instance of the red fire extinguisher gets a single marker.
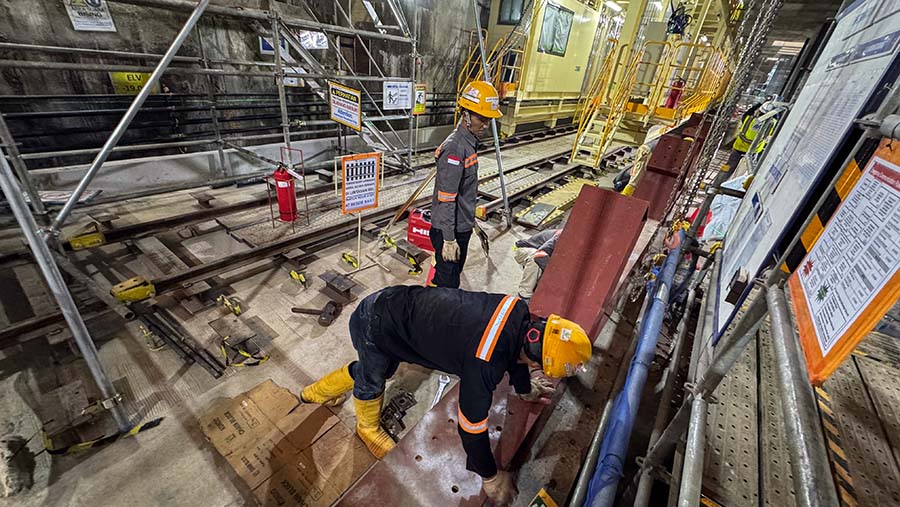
(287, 199)
(675, 93)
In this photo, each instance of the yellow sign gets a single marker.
(420, 98)
(542, 499)
(130, 83)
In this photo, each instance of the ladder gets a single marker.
(600, 118)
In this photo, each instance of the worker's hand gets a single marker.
(500, 488)
(450, 252)
(541, 391)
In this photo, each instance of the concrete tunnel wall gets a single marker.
(443, 42)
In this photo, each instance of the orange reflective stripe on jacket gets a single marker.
(470, 427)
(494, 328)
(470, 161)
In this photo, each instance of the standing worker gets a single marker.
(475, 335)
(456, 183)
(748, 132)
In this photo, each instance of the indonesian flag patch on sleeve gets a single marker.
(453, 160)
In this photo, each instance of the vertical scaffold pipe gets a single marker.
(603, 486)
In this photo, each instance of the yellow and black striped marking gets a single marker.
(105, 440)
(840, 469)
(836, 195)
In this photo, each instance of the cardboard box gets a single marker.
(264, 430)
(340, 456)
(295, 484)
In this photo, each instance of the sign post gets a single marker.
(359, 176)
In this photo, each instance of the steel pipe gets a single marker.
(129, 115)
(22, 172)
(692, 473)
(185, 70)
(728, 352)
(57, 286)
(813, 482)
(259, 15)
(602, 491)
(507, 213)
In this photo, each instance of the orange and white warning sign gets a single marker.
(851, 275)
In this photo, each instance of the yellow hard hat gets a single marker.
(565, 347)
(482, 98)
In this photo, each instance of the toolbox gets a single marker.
(418, 228)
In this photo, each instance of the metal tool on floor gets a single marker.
(483, 237)
(392, 415)
(443, 382)
(165, 326)
(300, 277)
(232, 304)
(238, 356)
(326, 315)
(350, 259)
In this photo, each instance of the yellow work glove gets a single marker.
(500, 488)
(450, 251)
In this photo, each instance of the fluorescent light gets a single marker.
(614, 6)
(658, 4)
(703, 38)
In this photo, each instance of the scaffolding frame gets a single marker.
(44, 237)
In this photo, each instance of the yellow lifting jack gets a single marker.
(88, 237)
(133, 289)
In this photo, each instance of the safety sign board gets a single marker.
(313, 40)
(346, 105)
(846, 84)
(360, 177)
(130, 83)
(420, 99)
(90, 15)
(396, 95)
(265, 46)
(851, 275)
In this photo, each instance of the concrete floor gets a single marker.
(173, 464)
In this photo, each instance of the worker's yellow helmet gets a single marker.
(565, 347)
(482, 98)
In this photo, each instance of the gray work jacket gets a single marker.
(456, 183)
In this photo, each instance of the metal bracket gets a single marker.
(101, 405)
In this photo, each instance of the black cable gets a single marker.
(678, 20)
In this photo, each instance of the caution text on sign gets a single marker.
(360, 182)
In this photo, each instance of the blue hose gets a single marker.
(614, 447)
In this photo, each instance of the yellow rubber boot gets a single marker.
(330, 389)
(368, 426)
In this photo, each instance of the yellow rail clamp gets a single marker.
(133, 289)
(300, 277)
(88, 237)
(388, 240)
(232, 304)
(350, 259)
(416, 268)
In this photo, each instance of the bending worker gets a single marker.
(748, 132)
(533, 254)
(456, 183)
(475, 335)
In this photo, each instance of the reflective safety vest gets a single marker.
(749, 130)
